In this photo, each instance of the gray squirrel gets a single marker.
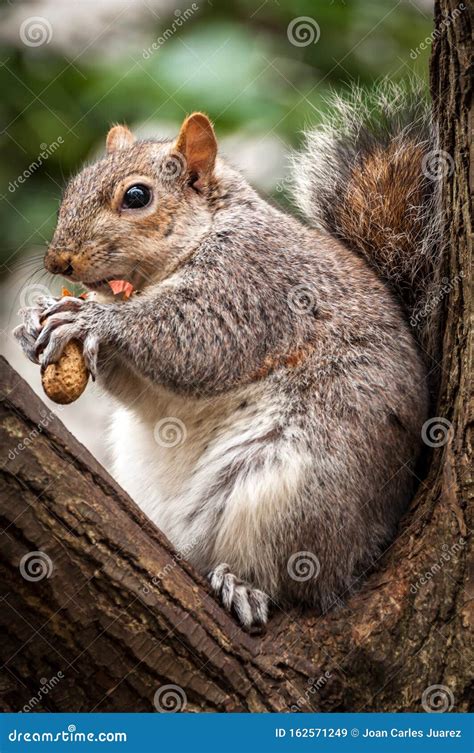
(271, 391)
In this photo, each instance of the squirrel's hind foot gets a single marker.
(250, 605)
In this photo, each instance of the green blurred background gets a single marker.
(71, 68)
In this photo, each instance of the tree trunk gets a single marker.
(104, 616)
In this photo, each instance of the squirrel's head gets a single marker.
(133, 214)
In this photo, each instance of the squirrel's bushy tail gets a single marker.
(370, 175)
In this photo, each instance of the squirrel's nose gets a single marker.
(58, 264)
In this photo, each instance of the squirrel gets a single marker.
(270, 390)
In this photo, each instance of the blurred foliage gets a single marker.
(233, 60)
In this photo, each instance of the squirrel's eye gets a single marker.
(136, 197)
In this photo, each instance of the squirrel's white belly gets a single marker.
(209, 472)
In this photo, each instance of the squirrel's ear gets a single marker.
(197, 143)
(119, 137)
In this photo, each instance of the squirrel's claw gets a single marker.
(27, 342)
(66, 320)
(56, 340)
(27, 332)
(250, 605)
(52, 323)
(31, 320)
(68, 303)
(90, 353)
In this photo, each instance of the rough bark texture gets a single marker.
(120, 616)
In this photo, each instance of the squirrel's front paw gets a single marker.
(250, 605)
(70, 319)
(28, 331)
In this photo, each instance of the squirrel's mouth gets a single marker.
(117, 283)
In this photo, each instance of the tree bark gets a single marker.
(116, 615)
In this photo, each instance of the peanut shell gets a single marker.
(66, 380)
